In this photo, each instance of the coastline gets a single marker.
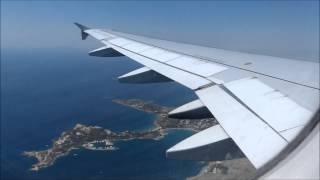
(90, 137)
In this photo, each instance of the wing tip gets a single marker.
(82, 27)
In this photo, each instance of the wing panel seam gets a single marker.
(215, 61)
(163, 63)
(251, 110)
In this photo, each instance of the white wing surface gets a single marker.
(261, 102)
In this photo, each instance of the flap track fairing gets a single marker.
(191, 110)
(143, 75)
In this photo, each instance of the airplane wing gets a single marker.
(260, 102)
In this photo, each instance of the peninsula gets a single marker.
(97, 138)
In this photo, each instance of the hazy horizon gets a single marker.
(286, 29)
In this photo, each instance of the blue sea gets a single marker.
(44, 93)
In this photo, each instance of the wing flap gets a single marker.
(251, 134)
(272, 106)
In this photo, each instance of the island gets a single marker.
(98, 138)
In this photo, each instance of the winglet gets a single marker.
(83, 28)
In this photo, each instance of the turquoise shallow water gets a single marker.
(45, 93)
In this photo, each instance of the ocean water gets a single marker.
(44, 93)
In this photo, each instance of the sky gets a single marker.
(278, 28)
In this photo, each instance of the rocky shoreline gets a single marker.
(97, 138)
(87, 137)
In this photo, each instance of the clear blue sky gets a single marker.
(285, 28)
